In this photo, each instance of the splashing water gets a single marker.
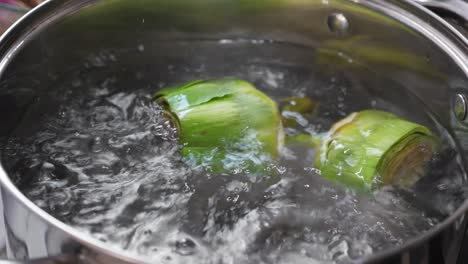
(108, 163)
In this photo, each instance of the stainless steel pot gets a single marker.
(45, 44)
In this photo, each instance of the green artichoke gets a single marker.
(224, 124)
(372, 148)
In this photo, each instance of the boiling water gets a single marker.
(106, 162)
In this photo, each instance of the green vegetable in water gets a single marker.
(295, 110)
(226, 124)
(372, 148)
(303, 105)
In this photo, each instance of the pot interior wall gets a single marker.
(146, 37)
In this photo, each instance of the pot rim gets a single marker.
(451, 41)
(459, 53)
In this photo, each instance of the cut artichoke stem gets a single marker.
(296, 111)
(303, 105)
(372, 148)
(217, 119)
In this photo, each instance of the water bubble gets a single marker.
(97, 61)
(185, 247)
(62, 114)
(96, 145)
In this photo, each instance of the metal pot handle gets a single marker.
(62, 259)
(457, 7)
